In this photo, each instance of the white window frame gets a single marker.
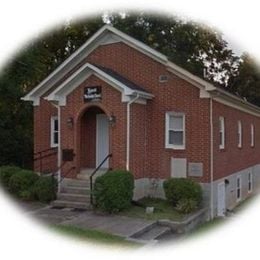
(252, 134)
(250, 182)
(239, 188)
(53, 119)
(167, 129)
(239, 133)
(222, 132)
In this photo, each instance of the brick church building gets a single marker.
(119, 104)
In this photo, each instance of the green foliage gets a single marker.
(186, 206)
(21, 184)
(6, 172)
(45, 189)
(177, 189)
(113, 191)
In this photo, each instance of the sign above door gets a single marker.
(92, 93)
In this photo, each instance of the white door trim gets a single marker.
(105, 147)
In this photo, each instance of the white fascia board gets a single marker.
(186, 75)
(67, 65)
(60, 93)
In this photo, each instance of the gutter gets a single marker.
(128, 123)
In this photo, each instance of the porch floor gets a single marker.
(85, 173)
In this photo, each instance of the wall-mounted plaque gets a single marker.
(195, 169)
(92, 93)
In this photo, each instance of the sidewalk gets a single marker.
(113, 224)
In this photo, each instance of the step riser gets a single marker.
(75, 190)
(76, 183)
(71, 198)
(65, 204)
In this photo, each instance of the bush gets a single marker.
(177, 189)
(45, 189)
(6, 172)
(113, 191)
(22, 182)
(186, 206)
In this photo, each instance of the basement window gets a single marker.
(250, 182)
(175, 131)
(54, 131)
(239, 188)
(221, 132)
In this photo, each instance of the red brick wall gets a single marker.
(42, 119)
(233, 159)
(175, 95)
(76, 138)
(149, 157)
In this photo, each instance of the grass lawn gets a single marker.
(162, 210)
(94, 236)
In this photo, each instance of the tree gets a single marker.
(188, 44)
(247, 82)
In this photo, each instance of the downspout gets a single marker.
(211, 162)
(59, 145)
(128, 123)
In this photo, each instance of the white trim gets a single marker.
(239, 187)
(240, 134)
(252, 135)
(60, 93)
(106, 33)
(52, 131)
(222, 131)
(167, 123)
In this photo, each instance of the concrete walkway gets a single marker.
(113, 224)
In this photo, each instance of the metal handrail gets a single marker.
(39, 155)
(94, 172)
(65, 175)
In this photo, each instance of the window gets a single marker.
(252, 135)
(239, 133)
(238, 188)
(54, 131)
(250, 181)
(222, 132)
(175, 130)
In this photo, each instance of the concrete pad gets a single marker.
(116, 225)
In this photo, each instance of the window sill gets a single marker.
(175, 147)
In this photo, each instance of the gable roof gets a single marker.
(125, 86)
(109, 34)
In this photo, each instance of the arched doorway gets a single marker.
(94, 138)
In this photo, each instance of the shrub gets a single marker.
(22, 182)
(45, 189)
(113, 191)
(177, 189)
(186, 206)
(6, 172)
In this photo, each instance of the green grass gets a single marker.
(162, 210)
(93, 236)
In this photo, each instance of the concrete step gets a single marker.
(70, 204)
(73, 197)
(151, 232)
(75, 190)
(76, 183)
(154, 233)
(86, 173)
